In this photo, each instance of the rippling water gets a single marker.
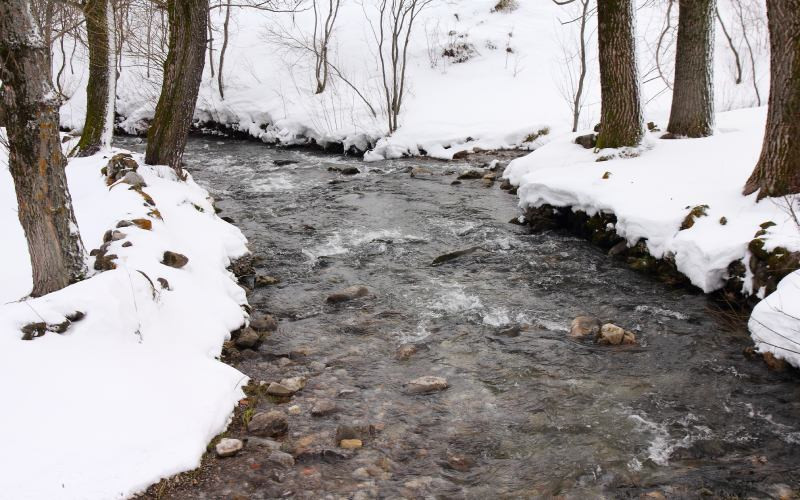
(529, 412)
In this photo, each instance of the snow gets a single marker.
(134, 391)
(653, 192)
(775, 322)
(511, 86)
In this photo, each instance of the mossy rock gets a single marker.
(694, 214)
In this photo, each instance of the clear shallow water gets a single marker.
(529, 413)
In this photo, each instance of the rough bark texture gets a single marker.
(777, 172)
(183, 70)
(621, 107)
(35, 158)
(692, 113)
(97, 89)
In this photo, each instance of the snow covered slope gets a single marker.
(514, 79)
(134, 391)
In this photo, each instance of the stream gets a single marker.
(529, 412)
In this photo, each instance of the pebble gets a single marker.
(228, 447)
(323, 407)
(283, 362)
(349, 293)
(405, 351)
(264, 443)
(350, 444)
(426, 385)
(264, 323)
(294, 410)
(281, 458)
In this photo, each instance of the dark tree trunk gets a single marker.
(692, 113)
(621, 107)
(96, 129)
(778, 170)
(183, 71)
(35, 158)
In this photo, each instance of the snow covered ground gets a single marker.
(513, 82)
(775, 321)
(134, 391)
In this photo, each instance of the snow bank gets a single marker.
(775, 322)
(652, 193)
(134, 391)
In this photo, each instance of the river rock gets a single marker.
(418, 171)
(471, 174)
(264, 323)
(281, 458)
(588, 141)
(349, 293)
(248, 339)
(174, 259)
(427, 385)
(323, 407)
(349, 171)
(263, 280)
(228, 447)
(405, 351)
(611, 334)
(584, 325)
(286, 387)
(268, 424)
(351, 444)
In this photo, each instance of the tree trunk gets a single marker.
(692, 113)
(183, 71)
(777, 172)
(35, 158)
(621, 108)
(101, 89)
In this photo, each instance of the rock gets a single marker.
(405, 351)
(460, 462)
(145, 224)
(323, 407)
(461, 155)
(133, 179)
(611, 334)
(283, 163)
(452, 255)
(588, 141)
(773, 363)
(349, 293)
(174, 259)
(417, 171)
(263, 280)
(584, 325)
(618, 249)
(488, 182)
(349, 171)
(268, 424)
(164, 283)
(455, 183)
(248, 339)
(351, 444)
(127, 244)
(286, 387)
(33, 330)
(118, 235)
(294, 410)
(506, 185)
(124, 223)
(264, 323)
(264, 443)
(490, 176)
(228, 447)
(426, 385)
(354, 431)
(470, 174)
(281, 458)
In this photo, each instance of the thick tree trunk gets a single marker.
(35, 158)
(183, 71)
(778, 170)
(621, 107)
(101, 89)
(692, 113)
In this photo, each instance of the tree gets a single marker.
(777, 172)
(692, 111)
(183, 71)
(621, 107)
(35, 159)
(101, 88)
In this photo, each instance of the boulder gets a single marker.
(584, 325)
(588, 141)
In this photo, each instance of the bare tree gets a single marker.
(732, 46)
(101, 88)
(392, 35)
(322, 38)
(225, 27)
(621, 106)
(777, 172)
(575, 83)
(35, 159)
(692, 113)
(183, 71)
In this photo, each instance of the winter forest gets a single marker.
(363, 249)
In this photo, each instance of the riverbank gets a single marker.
(115, 382)
(673, 208)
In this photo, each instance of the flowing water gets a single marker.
(529, 412)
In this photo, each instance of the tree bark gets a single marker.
(621, 108)
(35, 159)
(101, 88)
(183, 71)
(692, 113)
(777, 172)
